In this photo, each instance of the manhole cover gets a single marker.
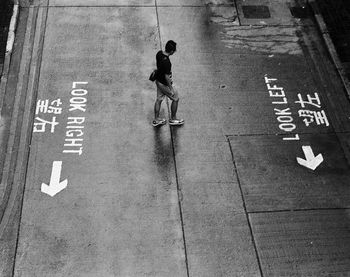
(300, 12)
(256, 12)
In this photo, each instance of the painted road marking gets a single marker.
(310, 111)
(73, 141)
(311, 161)
(283, 114)
(55, 185)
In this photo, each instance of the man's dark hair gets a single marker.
(170, 46)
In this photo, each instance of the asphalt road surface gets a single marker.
(255, 183)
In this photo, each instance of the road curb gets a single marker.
(18, 148)
(330, 45)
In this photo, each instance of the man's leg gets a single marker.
(158, 121)
(157, 106)
(158, 103)
(174, 96)
(174, 103)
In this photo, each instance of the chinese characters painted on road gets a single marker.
(47, 108)
(318, 116)
(47, 112)
(310, 108)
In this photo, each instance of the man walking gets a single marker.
(165, 86)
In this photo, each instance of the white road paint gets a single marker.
(12, 29)
(283, 113)
(310, 160)
(55, 185)
(73, 142)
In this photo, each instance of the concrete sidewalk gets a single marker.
(223, 195)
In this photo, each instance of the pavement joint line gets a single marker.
(245, 209)
(180, 199)
(195, 6)
(178, 188)
(237, 11)
(299, 210)
(132, 6)
(267, 25)
(291, 133)
(107, 6)
(158, 25)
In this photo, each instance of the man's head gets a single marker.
(170, 47)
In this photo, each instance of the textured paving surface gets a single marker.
(222, 195)
(303, 243)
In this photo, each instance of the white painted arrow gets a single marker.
(311, 161)
(55, 185)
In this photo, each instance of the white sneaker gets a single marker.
(158, 122)
(176, 122)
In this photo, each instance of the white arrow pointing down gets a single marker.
(310, 160)
(55, 185)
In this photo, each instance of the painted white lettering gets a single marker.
(73, 142)
(78, 133)
(284, 118)
(274, 87)
(281, 102)
(78, 100)
(282, 112)
(74, 133)
(287, 127)
(74, 107)
(76, 120)
(79, 92)
(268, 80)
(277, 93)
(79, 151)
(78, 83)
(296, 137)
(75, 127)
(77, 103)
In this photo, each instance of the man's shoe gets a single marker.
(176, 122)
(158, 122)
